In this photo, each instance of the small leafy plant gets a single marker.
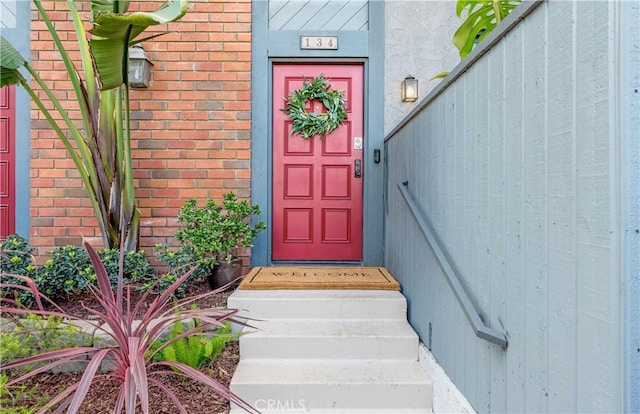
(16, 257)
(133, 369)
(193, 350)
(36, 334)
(215, 231)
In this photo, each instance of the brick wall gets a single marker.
(191, 127)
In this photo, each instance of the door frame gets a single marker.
(365, 47)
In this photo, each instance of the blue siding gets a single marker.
(276, 30)
(344, 15)
(14, 15)
(630, 188)
(518, 161)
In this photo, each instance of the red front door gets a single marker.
(7, 161)
(317, 189)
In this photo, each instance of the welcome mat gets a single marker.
(366, 278)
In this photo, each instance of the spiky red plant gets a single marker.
(130, 357)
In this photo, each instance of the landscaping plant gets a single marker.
(133, 367)
(193, 350)
(35, 334)
(101, 152)
(177, 262)
(216, 231)
(482, 16)
(16, 258)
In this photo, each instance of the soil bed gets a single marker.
(196, 398)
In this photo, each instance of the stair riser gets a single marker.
(313, 397)
(321, 306)
(329, 347)
(321, 310)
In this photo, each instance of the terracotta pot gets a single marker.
(224, 273)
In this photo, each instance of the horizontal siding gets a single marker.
(515, 165)
(318, 15)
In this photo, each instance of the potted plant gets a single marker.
(215, 232)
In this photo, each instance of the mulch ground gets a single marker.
(196, 398)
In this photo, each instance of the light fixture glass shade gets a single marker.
(139, 67)
(409, 89)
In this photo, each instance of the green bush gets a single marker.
(70, 271)
(176, 263)
(136, 266)
(34, 335)
(193, 350)
(216, 231)
(67, 271)
(16, 257)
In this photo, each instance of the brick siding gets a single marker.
(191, 128)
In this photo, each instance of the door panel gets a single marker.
(7, 161)
(317, 199)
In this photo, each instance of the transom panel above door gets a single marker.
(318, 182)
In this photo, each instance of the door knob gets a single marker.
(358, 168)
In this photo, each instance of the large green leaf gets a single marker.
(111, 60)
(115, 26)
(10, 58)
(9, 77)
(109, 6)
(10, 61)
(482, 16)
(115, 32)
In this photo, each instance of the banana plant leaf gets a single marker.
(10, 58)
(109, 6)
(115, 32)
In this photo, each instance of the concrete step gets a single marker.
(313, 385)
(319, 304)
(330, 339)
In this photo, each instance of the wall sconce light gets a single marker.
(139, 67)
(409, 89)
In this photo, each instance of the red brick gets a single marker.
(200, 98)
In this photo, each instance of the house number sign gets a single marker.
(319, 42)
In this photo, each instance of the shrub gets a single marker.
(216, 231)
(176, 262)
(69, 270)
(134, 370)
(136, 266)
(16, 257)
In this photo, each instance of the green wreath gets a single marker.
(309, 124)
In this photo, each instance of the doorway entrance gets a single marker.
(318, 182)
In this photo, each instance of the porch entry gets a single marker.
(317, 182)
(7, 161)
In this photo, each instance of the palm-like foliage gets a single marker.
(132, 356)
(102, 152)
(482, 16)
